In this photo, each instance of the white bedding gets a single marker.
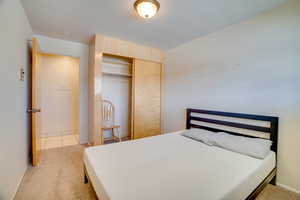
(173, 167)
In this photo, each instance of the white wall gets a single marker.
(117, 89)
(14, 136)
(81, 51)
(252, 67)
(59, 94)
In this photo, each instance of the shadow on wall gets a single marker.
(28, 83)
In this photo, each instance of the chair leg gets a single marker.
(113, 133)
(119, 135)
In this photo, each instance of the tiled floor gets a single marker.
(59, 176)
(59, 141)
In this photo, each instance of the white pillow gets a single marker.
(200, 135)
(254, 147)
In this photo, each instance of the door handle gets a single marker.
(33, 110)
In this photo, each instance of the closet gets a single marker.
(117, 88)
(130, 76)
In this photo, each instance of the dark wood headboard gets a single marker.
(272, 130)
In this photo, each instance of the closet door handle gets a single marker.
(34, 110)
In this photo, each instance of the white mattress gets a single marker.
(173, 167)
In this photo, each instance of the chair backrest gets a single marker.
(108, 113)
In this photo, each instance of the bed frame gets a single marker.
(272, 131)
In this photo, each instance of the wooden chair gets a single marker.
(108, 120)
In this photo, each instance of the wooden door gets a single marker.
(34, 107)
(146, 98)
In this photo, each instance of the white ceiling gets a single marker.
(177, 22)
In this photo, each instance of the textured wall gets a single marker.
(14, 136)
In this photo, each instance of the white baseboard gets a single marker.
(18, 185)
(288, 188)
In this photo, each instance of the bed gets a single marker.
(171, 166)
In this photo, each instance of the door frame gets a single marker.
(55, 46)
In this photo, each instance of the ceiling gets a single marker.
(177, 21)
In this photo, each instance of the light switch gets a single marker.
(22, 74)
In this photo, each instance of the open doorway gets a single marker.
(59, 99)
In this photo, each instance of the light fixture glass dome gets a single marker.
(146, 8)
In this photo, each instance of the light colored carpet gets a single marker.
(60, 177)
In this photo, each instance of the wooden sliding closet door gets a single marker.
(146, 98)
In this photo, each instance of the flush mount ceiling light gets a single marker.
(146, 8)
